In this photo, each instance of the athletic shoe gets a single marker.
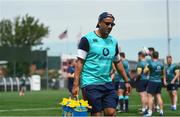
(117, 108)
(120, 111)
(147, 115)
(173, 108)
(161, 114)
(145, 112)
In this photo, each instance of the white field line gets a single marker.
(37, 109)
(29, 109)
(163, 104)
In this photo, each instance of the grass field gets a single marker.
(45, 103)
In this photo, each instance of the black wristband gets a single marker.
(126, 82)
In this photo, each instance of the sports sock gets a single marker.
(126, 99)
(121, 102)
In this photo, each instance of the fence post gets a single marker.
(17, 80)
(5, 86)
(11, 83)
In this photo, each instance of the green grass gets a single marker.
(45, 103)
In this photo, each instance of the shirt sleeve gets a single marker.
(70, 70)
(83, 48)
(117, 56)
(176, 70)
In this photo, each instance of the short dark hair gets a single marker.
(151, 49)
(169, 56)
(155, 54)
(141, 54)
(122, 54)
(70, 61)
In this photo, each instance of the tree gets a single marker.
(20, 33)
(24, 31)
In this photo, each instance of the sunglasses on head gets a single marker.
(109, 24)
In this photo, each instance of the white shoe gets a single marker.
(161, 114)
(173, 108)
(147, 115)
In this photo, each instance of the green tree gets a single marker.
(23, 31)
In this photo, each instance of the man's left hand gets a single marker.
(128, 88)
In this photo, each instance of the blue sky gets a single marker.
(138, 22)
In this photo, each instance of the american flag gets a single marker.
(63, 35)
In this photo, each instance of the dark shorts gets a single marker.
(116, 85)
(120, 85)
(22, 87)
(100, 96)
(171, 87)
(154, 87)
(141, 85)
(22, 84)
(70, 84)
(132, 83)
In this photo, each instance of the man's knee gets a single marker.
(109, 112)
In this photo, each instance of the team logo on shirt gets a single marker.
(95, 40)
(158, 67)
(105, 52)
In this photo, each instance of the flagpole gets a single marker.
(168, 30)
(67, 47)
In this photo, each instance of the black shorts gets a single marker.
(122, 86)
(154, 87)
(119, 85)
(22, 87)
(132, 83)
(171, 87)
(70, 84)
(141, 85)
(100, 96)
(116, 85)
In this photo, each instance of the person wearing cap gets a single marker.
(171, 81)
(70, 74)
(97, 51)
(156, 71)
(142, 80)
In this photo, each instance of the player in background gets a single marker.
(178, 66)
(22, 86)
(171, 81)
(120, 86)
(149, 51)
(70, 74)
(156, 71)
(142, 80)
